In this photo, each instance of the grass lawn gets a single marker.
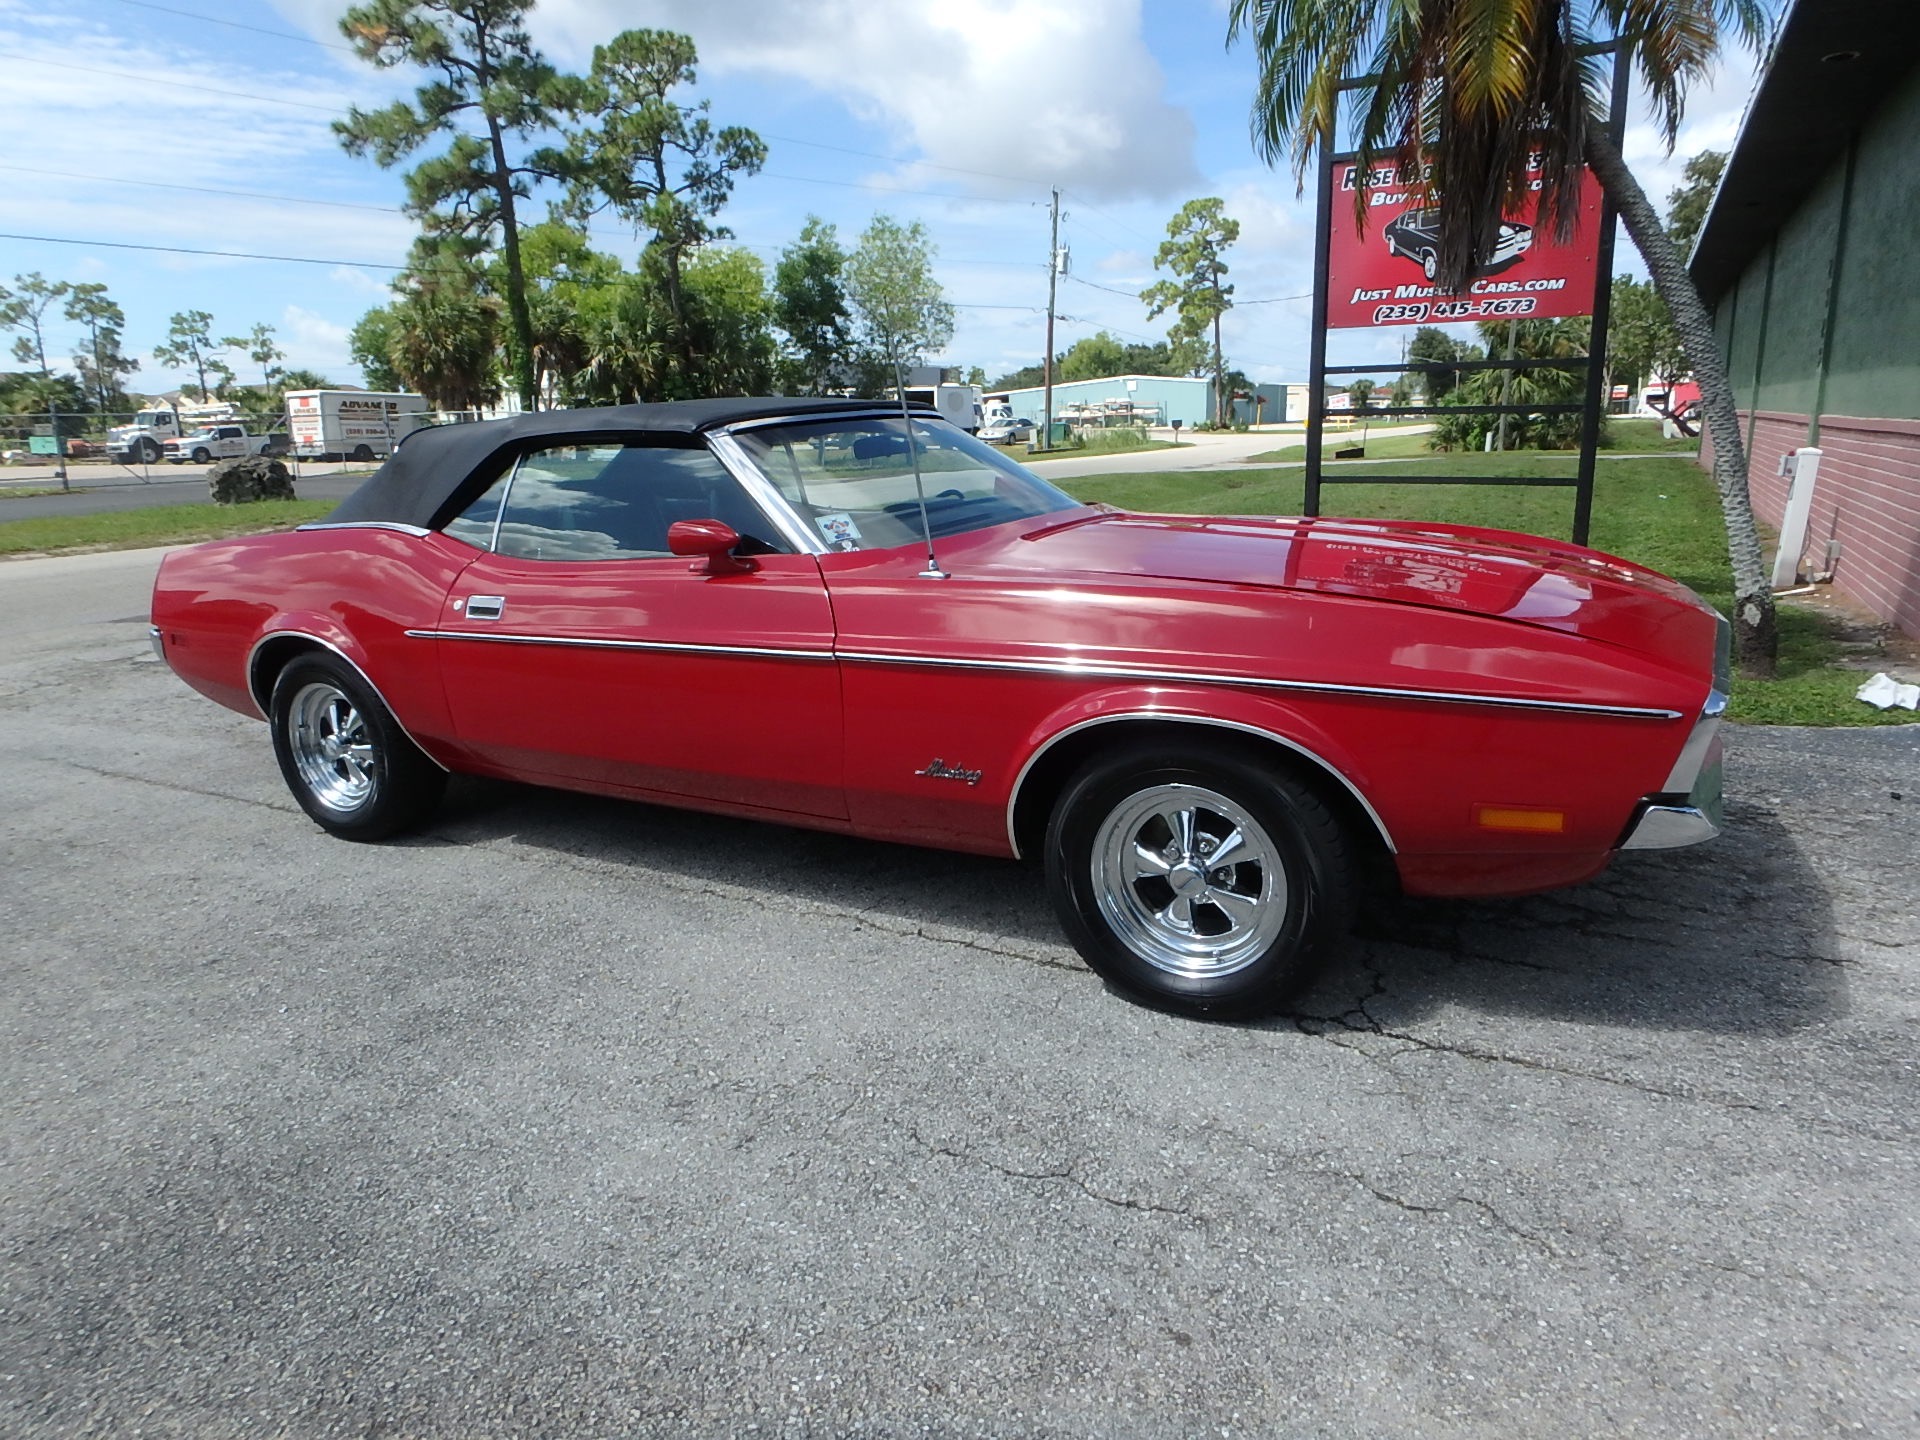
(155, 525)
(1382, 442)
(1659, 512)
(31, 492)
(1097, 442)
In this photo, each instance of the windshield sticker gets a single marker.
(840, 530)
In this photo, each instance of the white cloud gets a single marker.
(375, 286)
(982, 93)
(313, 342)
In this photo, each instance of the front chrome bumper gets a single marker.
(1689, 807)
(1668, 822)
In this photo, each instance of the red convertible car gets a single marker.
(825, 613)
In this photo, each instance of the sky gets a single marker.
(204, 125)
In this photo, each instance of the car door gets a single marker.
(577, 648)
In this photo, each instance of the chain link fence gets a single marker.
(130, 446)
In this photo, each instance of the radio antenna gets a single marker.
(933, 570)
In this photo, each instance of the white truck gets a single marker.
(145, 440)
(352, 424)
(216, 442)
(959, 404)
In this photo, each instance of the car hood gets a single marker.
(1496, 573)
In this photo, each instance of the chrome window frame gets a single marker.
(734, 455)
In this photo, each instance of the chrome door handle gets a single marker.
(485, 607)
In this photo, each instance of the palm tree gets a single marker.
(1477, 86)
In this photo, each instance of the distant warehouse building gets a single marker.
(1153, 400)
(1809, 260)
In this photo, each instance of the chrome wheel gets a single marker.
(332, 747)
(1189, 881)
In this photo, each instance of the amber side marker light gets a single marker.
(1520, 819)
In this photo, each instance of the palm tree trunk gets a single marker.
(1755, 638)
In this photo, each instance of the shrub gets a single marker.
(247, 478)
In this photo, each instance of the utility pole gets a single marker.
(1053, 281)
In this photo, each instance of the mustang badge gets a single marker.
(940, 770)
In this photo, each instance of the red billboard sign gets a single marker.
(1384, 276)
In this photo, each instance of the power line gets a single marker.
(1112, 219)
(367, 264)
(206, 190)
(217, 254)
(1238, 304)
(237, 25)
(1129, 294)
(182, 85)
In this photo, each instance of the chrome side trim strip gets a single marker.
(583, 642)
(254, 654)
(1071, 669)
(1168, 718)
(416, 531)
(880, 408)
(159, 644)
(1093, 671)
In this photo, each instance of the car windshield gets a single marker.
(852, 482)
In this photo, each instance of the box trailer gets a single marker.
(351, 424)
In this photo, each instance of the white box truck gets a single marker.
(351, 424)
(960, 404)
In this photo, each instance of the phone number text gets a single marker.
(1452, 310)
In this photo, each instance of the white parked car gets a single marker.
(211, 442)
(1007, 430)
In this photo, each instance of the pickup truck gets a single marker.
(220, 442)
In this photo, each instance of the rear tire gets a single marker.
(1198, 882)
(343, 755)
(362, 453)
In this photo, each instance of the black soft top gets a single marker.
(433, 464)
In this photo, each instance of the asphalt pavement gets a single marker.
(575, 1118)
(101, 488)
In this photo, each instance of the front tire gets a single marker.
(343, 755)
(202, 455)
(1198, 882)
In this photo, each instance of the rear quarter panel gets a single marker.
(358, 590)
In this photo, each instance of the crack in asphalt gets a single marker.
(1447, 1208)
(1066, 1176)
(174, 786)
(1369, 1024)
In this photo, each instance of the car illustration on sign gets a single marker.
(1211, 732)
(1415, 234)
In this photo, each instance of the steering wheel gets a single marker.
(950, 495)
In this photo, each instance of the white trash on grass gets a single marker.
(1886, 692)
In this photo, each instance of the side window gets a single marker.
(615, 502)
(474, 525)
